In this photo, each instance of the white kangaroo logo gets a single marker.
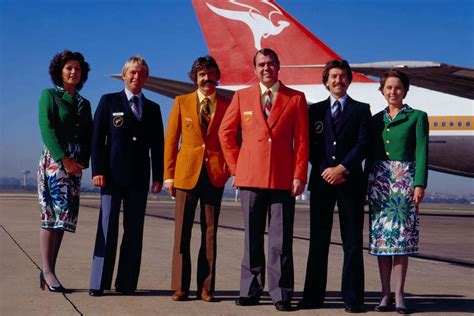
(261, 26)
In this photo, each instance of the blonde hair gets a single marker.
(138, 60)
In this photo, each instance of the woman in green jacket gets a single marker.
(65, 122)
(398, 168)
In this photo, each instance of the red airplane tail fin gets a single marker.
(235, 29)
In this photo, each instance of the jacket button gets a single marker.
(77, 125)
(333, 157)
(334, 143)
(269, 140)
(388, 142)
(134, 138)
(206, 159)
(203, 146)
(387, 153)
(388, 129)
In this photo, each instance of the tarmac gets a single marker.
(433, 287)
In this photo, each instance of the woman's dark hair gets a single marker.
(397, 74)
(340, 64)
(201, 63)
(57, 64)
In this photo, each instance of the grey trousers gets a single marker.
(280, 207)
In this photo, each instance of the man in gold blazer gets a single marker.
(195, 170)
(270, 167)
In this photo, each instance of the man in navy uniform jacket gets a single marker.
(338, 144)
(127, 129)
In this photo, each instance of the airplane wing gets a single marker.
(455, 80)
(172, 88)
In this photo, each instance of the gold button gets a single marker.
(77, 125)
(388, 129)
(388, 142)
(134, 138)
(387, 153)
(334, 143)
(203, 146)
(207, 159)
(333, 158)
(269, 140)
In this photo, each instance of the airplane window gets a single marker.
(451, 123)
(459, 123)
(435, 124)
(443, 124)
(468, 123)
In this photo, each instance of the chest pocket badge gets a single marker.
(318, 127)
(117, 119)
(248, 117)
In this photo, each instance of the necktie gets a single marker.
(135, 109)
(205, 114)
(268, 103)
(336, 115)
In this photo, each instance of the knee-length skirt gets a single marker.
(394, 222)
(58, 191)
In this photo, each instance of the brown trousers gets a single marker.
(210, 199)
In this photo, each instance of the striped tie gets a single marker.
(205, 114)
(268, 103)
(135, 109)
(336, 116)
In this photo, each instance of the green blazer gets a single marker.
(62, 121)
(405, 138)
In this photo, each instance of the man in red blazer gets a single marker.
(195, 170)
(270, 167)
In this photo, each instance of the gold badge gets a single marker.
(248, 115)
(117, 121)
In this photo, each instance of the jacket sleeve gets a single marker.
(87, 126)
(421, 150)
(358, 153)
(228, 133)
(301, 140)
(157, 146)
(100, 139)
(173, 134)
(47, 124)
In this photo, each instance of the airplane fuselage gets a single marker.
(451, 148)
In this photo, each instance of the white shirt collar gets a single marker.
(130, 95)
(273, 89)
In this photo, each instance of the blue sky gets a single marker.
(167, 34)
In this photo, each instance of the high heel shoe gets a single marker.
(386, 308)
(56, 289)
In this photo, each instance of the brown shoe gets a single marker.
(207, 296)
(179, 296)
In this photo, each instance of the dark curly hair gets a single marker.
(336, 63)
(57, 64)
(201, 63)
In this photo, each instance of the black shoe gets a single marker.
(307, 304)
(386, 308)
(248, 301)
(56, 289)
(283, 306)
(402, 310)
(93, 292)
(353, 308)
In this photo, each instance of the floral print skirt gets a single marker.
(394, 222)
(58, 191)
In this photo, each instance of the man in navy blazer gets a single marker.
(338, 144)
(127, 141)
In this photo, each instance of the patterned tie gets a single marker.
(135, 109)
(336, 116)
(268, 103)
(205, 114)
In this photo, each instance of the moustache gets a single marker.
(209, 81)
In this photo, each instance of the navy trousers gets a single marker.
(103, 261)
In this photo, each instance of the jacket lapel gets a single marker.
(219, 112)
(279, 104)
(126, 108)
(346, 113)
(328, 126)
